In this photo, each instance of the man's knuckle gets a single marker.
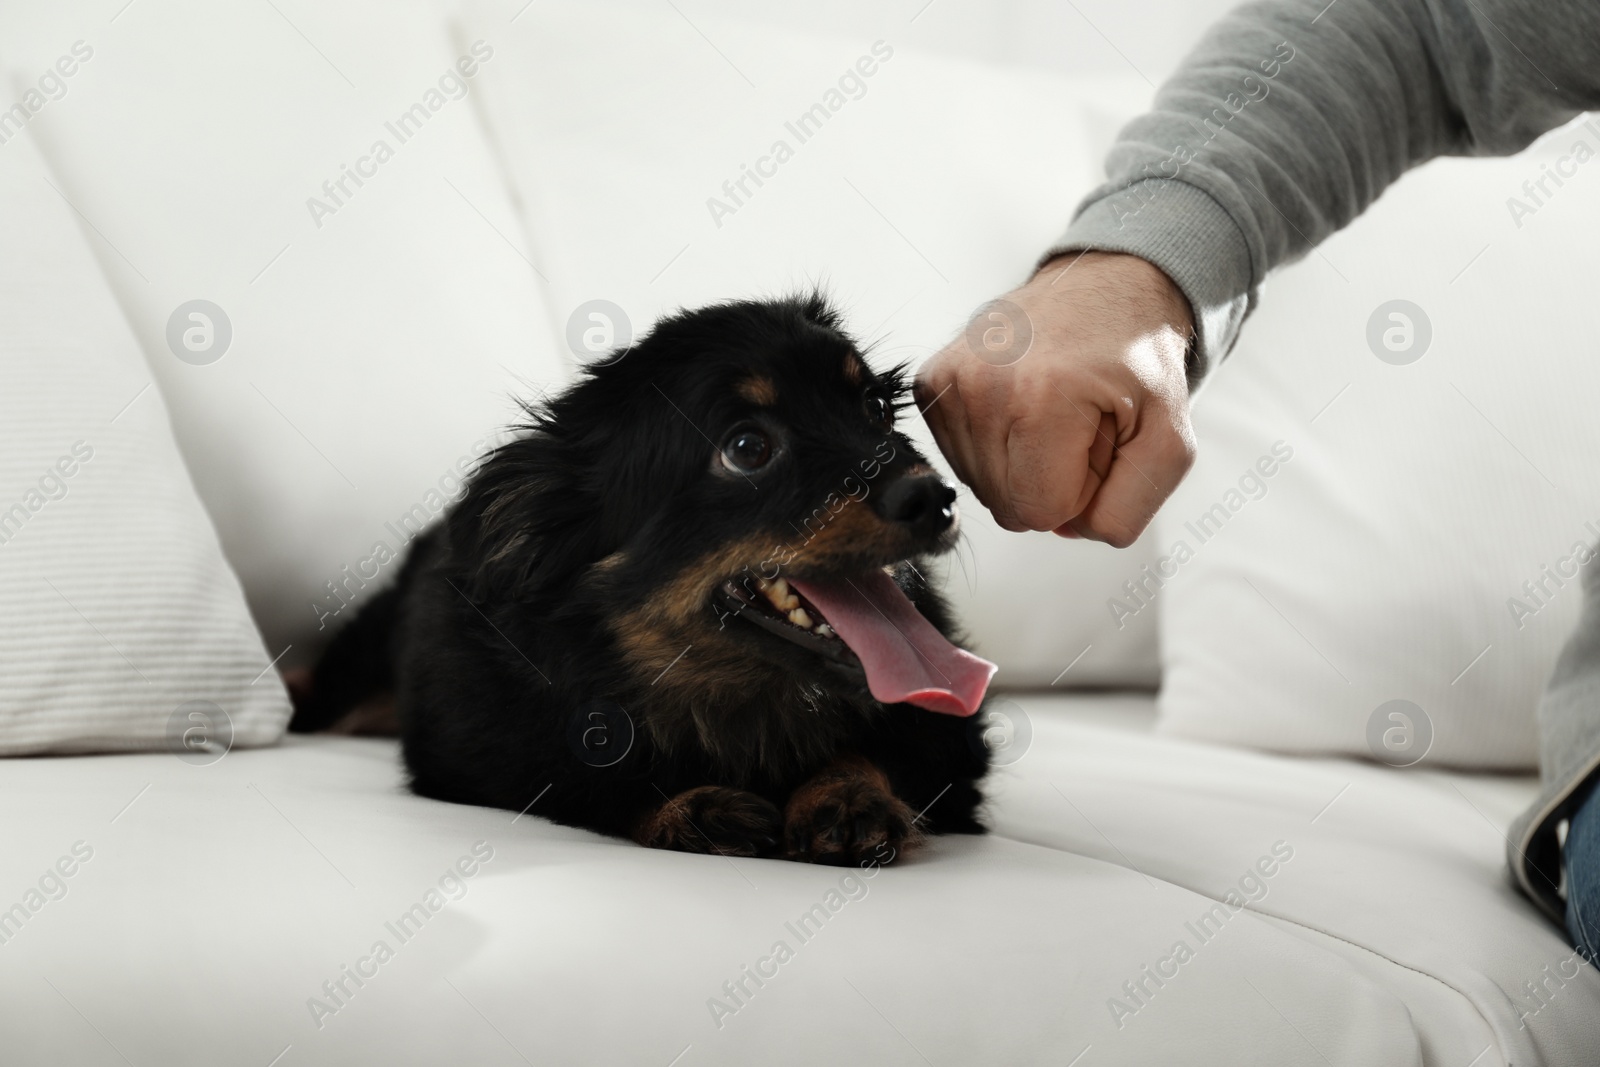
(1036, 512)
(1174, 453)
(1120, 531)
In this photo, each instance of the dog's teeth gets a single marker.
(778, 593)
(799, 617)
(824, 630)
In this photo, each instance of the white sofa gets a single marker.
(1329, 910)
(219, 899)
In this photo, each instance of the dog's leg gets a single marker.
(847, 816)
(713, 818)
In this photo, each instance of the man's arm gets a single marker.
(1289, 118)
(1284, 124)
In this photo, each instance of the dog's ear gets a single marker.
(525, 522)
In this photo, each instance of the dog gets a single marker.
(687, 604)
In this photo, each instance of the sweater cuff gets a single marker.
(1181, 229)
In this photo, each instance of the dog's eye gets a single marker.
(746, 450)
(879, 412)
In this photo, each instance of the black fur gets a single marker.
(538, 623)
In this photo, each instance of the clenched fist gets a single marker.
(1084, 428)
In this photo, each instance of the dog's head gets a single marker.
(731, 495)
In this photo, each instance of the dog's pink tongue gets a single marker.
(906, 659)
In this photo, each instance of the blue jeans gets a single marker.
(1583, 875)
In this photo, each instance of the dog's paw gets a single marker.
(847, 816)
(714, 819)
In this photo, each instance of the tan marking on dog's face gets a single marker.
(854, 529)
(678, 642)
(679, 611)
(854, 372)
(841, 529)
(758, 390)
(679, 602)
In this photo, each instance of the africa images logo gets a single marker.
(199, 332)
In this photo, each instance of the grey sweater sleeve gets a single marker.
(1290, 117)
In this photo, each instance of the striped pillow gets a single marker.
(121, 625)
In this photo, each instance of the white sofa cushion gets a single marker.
(1377, 941)
(121, 626)
(1422, 543)
(374, 351)
(931, 185)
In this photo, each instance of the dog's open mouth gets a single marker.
(866, 621)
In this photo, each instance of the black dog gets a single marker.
(684, 605)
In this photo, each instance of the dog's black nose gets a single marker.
(924, 502)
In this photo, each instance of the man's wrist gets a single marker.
(1184, 231)
(1140, 279)
(1142, 289)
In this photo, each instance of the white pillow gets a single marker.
(121, 626)
(930, 186)
(374, 352)
(1388, 558)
